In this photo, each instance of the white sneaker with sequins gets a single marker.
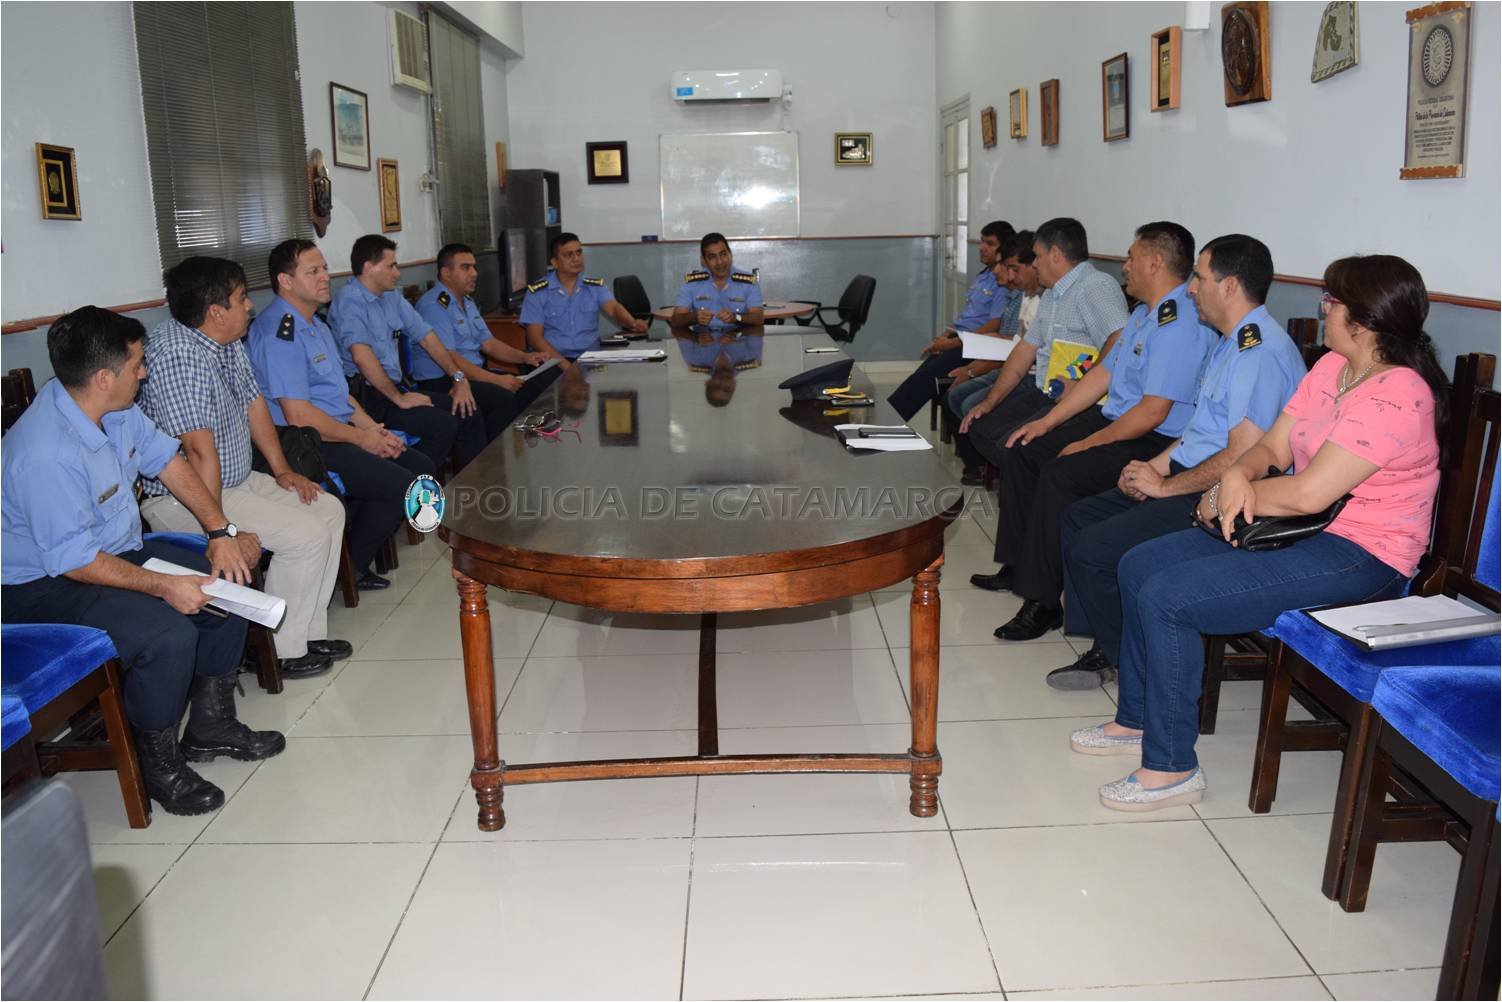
(1095, 741)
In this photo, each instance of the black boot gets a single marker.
(169, 780)
(214, 730)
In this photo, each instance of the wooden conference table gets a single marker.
(660, 502)
(775, 310)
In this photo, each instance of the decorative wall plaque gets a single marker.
(57, 173)
(1335, 45)
(1048, 111)
(988, 127)
(1164, 68)
(1246, 52)
(1439, 49)
(1017, 113)
(391, 195)
(606, 163)
(1115, 121)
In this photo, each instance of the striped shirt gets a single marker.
(1085, 307)
(194, 382)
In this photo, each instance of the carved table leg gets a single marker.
(479, 685)
(923, 648)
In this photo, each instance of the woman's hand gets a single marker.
(1237, 497)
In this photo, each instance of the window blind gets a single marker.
(459, 134)
(224, 129)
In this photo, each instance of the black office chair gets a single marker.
(630, 294)
(854, 308)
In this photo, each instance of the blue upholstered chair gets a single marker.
(258, 639)
(57, 671)
(1337, 676)
(1438, 726)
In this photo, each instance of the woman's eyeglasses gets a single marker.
(1327, 301)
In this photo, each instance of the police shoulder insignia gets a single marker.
(696, 276)
(594, 281)
(1168, 312)
(743, 276)
(444, 299)
(538, 285)
(288, 325)
(1250, 336)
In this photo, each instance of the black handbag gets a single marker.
(1274, 532)
(303, 448)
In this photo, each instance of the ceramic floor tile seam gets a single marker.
(688, 895)
(155, 884)
(1173, 984)
(1260, 899)
(985, 936)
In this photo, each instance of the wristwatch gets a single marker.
(229, 530)
(458, 376)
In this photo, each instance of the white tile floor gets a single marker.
(350, 866)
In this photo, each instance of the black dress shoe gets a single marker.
(1000, 581)
(1091, 671)
(334, 650)
(1032, 621)
(307, 666)
(973, 477)
(371, 581)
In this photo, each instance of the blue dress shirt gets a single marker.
(459, 325)
(70, 485)
(359, 316)
(742, 293)
(570, 323)
(1243, 381)
(299, 359)
(985, 300)
(1161, 353)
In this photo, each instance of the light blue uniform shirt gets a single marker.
(1249, 377)
(571, 324)
(299, 359)
(742, 293)
(70, 485)
(360, 316)
(986, 299)
(1161, 353)
(459, 325)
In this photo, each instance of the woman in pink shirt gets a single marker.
(1366, 421)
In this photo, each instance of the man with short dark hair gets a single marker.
(297, 366)
(203, 392)
(1149, 376)
(720, 295)
(985, 303)
(561, 313)
(450, 312)
(74, 554)
(1252, 371)
(369, 316)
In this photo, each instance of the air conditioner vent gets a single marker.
(409, 53)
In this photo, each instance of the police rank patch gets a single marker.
(595, 281)
(538, 285)
(288, 325)
(1168, 312)
(1250, 336)
(741, 276)
(696, 276)
(444, 299)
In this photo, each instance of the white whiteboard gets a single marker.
(741, 184)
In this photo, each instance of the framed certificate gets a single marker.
(1114, 121)
(1048, 111)
(1439, 49)
(1164, 60)
(1017, 113)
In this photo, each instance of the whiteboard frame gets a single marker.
(662, 193)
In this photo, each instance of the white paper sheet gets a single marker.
(986, 347)
(544, 367)
(256, 606)
(623, 355)
(1408, 622)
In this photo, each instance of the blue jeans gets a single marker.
(966, 395)
(1178, 587)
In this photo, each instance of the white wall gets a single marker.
(601, 72)
(1313, 172)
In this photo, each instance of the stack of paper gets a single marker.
(1408, 622)
(624, 355)
(256, 606)
(881, 437)
(986, 347)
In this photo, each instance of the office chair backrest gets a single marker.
(855, 304)
(629, 291)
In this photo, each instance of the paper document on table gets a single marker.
(544, 367)
(986, 347)
(623, 355)
(1408, 622)
(256, 606)
(881, 437)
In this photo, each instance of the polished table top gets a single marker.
(775, 309)
(696, 458)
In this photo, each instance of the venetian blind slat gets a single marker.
(459, 133)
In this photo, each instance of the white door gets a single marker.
(954, 213)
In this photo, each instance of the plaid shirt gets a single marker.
(1085, 306)
(194, 382)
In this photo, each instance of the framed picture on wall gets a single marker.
(350, 111)
(1115, 122)
(852, 149)
(1335, 47)
(606, 163)
(57, 173)
(391, 195)
(1048, 111)
(1439, 59)
(988, 127)
(1017, 113)
(1164, 68)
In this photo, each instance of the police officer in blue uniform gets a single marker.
(451, 313)
(1250, 375)
(985, 302)
(719, 295)
(301, 375)
(74, 555)
(369, 317)
(561, 313)
(1150, 377)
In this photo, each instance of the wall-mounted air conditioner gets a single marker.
(727, 85)
(409, 53)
